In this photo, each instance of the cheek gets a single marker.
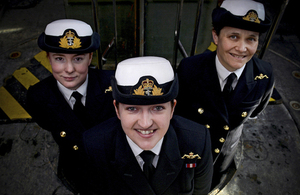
(164, 121)
(225, 46)
(82, 68)
(164, 126)
(253, 49)
(56, 68)
(126, 121)
(127, 126)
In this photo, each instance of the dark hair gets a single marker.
(217, 30)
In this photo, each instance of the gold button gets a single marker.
(222, 140)
(226, 127)
(217, 150)
(207, 126)
(75, 147)
(63, 134)
(244, 114)
(200, 110)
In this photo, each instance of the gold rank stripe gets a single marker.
(42, 58)
(11, 107)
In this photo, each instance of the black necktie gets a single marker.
(228, 86)
(148, 167)
(79, 109)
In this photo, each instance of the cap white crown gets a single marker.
(57, 27)
(129, 71)
(241, 7)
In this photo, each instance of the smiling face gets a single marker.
(70, 69)
(145, 125)
(235, 47)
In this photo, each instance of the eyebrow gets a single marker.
(251, 35)
(62, 54)
(254, 35)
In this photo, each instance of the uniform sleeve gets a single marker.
(267, 95)
(93, 182)
(204, 171)
(37, 109)
(184, 91)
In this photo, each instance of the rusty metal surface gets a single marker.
(271, 152)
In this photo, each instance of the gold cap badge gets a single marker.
(148, 88)
(70, 41)
(252, 17)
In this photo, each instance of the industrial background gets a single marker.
(269, 151)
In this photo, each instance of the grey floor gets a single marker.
(268, 157)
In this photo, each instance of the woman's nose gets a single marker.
(69, 67)
(145, 121)
(241, 46)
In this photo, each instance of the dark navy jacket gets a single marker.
(200, 100)
(113, 169)
(50, 110)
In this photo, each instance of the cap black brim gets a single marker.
(94, 45)
(144, 100)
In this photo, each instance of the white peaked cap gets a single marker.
(129, 71)
(58, 27)
(241, 7)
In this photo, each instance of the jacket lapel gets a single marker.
(129, 170)
(209, 81)
(245, 85)
(168, 167)
(169, 163)
(94, 91)
(61, 108)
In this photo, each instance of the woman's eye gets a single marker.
(158, 108)
(233, 37)
(78, 59)
(131, 108)
(252, 39)
(58, 58)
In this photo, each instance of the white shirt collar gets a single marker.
(223, 73)
(67, 93)
(137, 150)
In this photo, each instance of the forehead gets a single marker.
(142, 106)
(232, 30)
(65, 54)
